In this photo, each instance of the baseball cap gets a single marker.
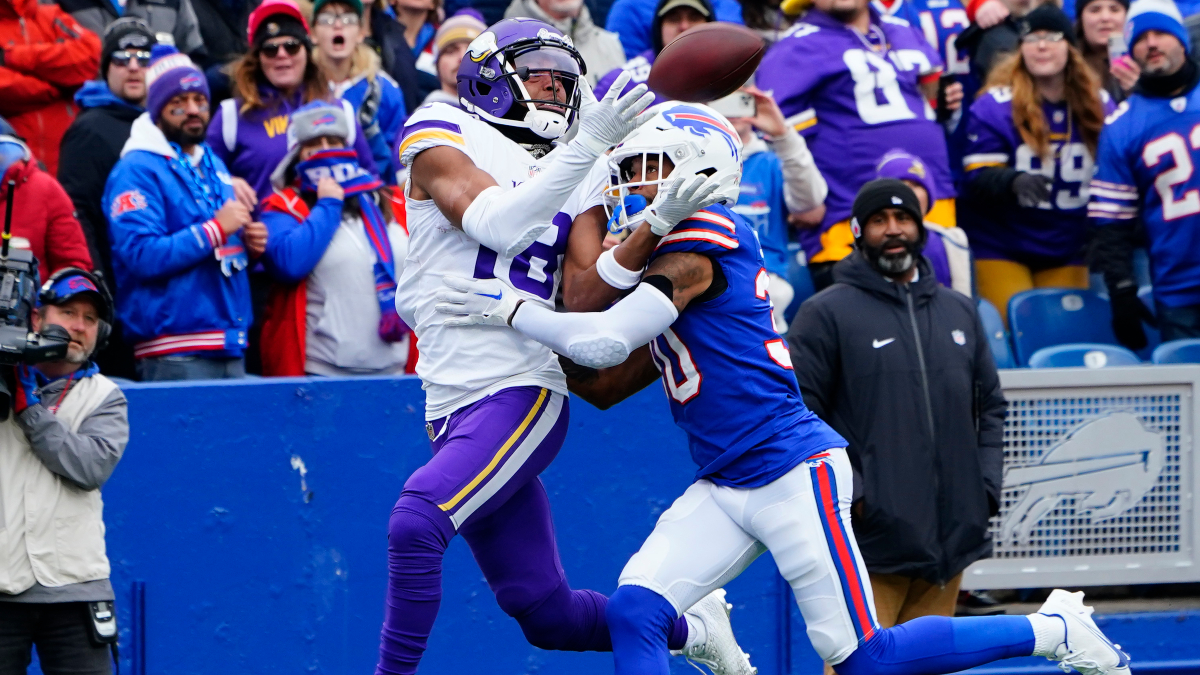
(698, 5)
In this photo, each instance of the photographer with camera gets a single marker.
(60, 441)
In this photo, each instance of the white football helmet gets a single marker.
(695, 139)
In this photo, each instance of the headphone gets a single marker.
(48, 296)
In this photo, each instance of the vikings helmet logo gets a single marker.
(482, 46)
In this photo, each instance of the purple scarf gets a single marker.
(342, 166)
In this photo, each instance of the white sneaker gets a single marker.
(1086, 650)
(720, 652)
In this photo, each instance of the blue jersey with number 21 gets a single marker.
(1146, 168)
(727, 372)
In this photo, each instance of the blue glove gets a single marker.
(25, 389)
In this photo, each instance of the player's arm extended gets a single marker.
(592, 339)
(607, 387)
(507, 220)
(591, 284)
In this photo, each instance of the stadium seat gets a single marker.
(993, 325)
(1044, 317)
(800, 280)
(1083, 355)
(1177, 351)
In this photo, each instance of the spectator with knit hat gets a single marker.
(180, 239)
(43, 218)
(336, 252)
(354, 73)
(277, 76)
(45, 57)
(600, 49)
(449, 45)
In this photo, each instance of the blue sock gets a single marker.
(638, 621)
(937, 644)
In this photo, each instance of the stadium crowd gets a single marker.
(992, 111)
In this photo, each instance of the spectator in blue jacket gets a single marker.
(355, 73)
(177, 252)
(779, 177)
(670, 19)
(636, 22)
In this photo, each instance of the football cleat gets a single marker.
(1085, 650)
(720, 652)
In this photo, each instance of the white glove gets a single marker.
(681, 198)
(604, 123)
(470, 302)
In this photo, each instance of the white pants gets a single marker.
(713, 532)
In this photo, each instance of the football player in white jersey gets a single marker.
(486, 198)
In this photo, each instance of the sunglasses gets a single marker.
(335, 19)
(123, 57)
(1035, 38)
(292, 47)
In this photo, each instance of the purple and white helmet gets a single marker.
(498, 63)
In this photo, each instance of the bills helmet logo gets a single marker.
(191, 81)
(701, 123)
(131, 200)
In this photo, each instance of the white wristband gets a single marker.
(614, 274)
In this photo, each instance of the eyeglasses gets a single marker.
(292, 47)
(123, 57)
(336, 19)
(1035, 38)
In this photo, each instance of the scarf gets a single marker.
(342, 166)
(1177, 83)
(206, 189)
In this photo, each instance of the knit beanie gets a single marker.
(124, 33)
(171, 74)
(1050, 18)
(310, 121)
(465, 25)
(274, 18)
(1160, 15)
(880, 194)
(1082, 5)
(902, 166)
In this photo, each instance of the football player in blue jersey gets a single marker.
(772, 477)
(1146, 171)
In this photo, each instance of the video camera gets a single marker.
(19, 343)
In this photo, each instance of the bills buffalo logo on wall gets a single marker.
(130, 200)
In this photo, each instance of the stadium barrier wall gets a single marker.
(247, 527)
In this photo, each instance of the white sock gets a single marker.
(1049, 633)
(697, 633)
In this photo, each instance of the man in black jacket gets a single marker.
(901, 368)
(92, 145)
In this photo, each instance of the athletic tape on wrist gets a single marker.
(614, 273)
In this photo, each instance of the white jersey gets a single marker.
(462, 365)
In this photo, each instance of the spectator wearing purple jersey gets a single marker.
(672, 18)
(946, 247)
(856, 84)
(1032, 137)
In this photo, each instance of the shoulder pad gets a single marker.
(1116, 114)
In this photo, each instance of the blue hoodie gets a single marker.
(96, 94)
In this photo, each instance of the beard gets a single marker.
(893, 264)
(182, 137)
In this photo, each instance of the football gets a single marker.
(707, 62)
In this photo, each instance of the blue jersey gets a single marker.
(727, 372)
(760, 202)
(1146, 167)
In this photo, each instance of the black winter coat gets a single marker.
(905, 375)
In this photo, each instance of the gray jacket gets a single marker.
(600, 49)
(176, 18)
(86, 458)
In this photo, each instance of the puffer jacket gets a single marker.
(44, 220)
(46, 56)
(905, 375)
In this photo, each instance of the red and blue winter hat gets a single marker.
(170, 75)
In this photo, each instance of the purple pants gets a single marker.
(483, 483)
